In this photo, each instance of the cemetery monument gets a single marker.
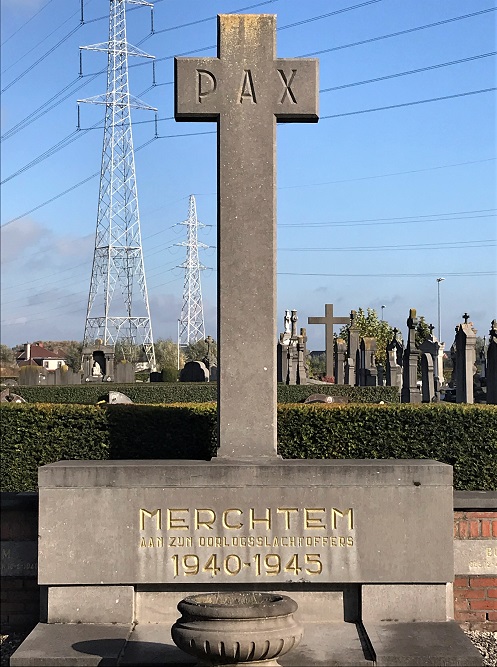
(363, 547)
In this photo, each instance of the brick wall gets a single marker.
(475, 552)
(19, 593)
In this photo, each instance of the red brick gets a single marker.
(477, 605)
(482, 515)
(463, 529)
(471, 593)
(483, 582)
(470, 616)
(461, 582)
(494, 528)
(459, 515)
(461, 605)
(456, 529)
(486, 528)
(492, 615)
(492, 593)
(474, 528)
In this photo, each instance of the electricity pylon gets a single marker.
(191, 325)
(118, 255)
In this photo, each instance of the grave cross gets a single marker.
(246, 90)
(328, 320)
(466, 318)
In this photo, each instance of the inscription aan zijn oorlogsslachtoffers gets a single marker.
(278, 531)
(207, 84)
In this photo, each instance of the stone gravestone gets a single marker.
(340, 359)
(394, 362)
(368, 373)
(465, 347)
(431, 367)
(352, 351)
(491, 371)
(410, 390)
(124, 372)
(328, 320)
(291, 352)
(194, 371)
(98, 362)
(354, 542)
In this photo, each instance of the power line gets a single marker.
(392, 221)
(398, 33)
(26, 22)
(390, 275)
(412, 71)
(454, 245)
(408, 104)
(45, 55)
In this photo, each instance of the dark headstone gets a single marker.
(194, 371)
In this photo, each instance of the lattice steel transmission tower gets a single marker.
(191, 325)
(118, 308)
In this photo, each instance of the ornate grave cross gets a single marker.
(246, 90)
(466, 318)
(328, 320)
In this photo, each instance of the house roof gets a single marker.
(40, 352)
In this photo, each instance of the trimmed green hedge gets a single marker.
(465, 436)
(194, 392)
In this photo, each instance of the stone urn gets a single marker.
(237, 628)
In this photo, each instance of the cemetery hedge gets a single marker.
(464, 436)
(193, 392)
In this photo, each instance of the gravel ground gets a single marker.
(485, 642)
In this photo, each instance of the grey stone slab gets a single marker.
(68, 645)
(422, 645)
(387, 522)
(323, 645)
(475, 557)
(236, 473)
(406, 603)
(91, 604)
(475, 500)
(246, 90)
(19, 558)
(151, 644)
(330, 645)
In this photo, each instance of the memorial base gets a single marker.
(323, 645)
(365, 548)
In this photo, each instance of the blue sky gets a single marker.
(374, 203)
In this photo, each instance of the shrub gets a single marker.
(464, 436)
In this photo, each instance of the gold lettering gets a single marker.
(160, 541)
(176, 522)
(208, 522)
(143, 543)
(253, 520)
(286, 511)
(336, 513)
(313, 522)
(146, 514)
(234, 526)
(248, 90)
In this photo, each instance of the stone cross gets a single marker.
(246, 90)
(328, 320)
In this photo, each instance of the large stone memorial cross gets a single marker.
(329, 320)
(246, 90)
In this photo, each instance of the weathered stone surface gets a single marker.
(246, 90)
(475, 557)
(19, 558)
(422, 645)
(405, 603)
(91, 604)
(71, 645)
(224, 527)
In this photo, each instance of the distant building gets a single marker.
(35, 354)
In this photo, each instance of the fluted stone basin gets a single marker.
(239, 628)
